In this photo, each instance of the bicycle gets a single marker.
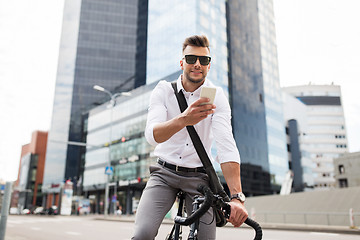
(200, 206)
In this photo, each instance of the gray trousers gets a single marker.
(159, 196)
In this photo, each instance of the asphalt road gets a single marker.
(77, 227)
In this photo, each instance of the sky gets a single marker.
(318, 42)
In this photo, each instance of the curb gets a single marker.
(267, 226)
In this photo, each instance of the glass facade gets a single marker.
(56, 150)
(247, 95)
(100, 45)
(278, 159)
(130, 154)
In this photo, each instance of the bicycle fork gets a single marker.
(176, 231)
(194, 227)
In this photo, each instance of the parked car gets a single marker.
(14, 210)
(53, 210)
(25, 211)
(38, 210)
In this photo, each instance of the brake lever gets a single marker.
(226, 209)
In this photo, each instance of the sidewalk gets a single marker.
(275, 226)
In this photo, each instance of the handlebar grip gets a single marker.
(256, 227)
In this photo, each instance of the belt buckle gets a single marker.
(162, 163)
(177, 168)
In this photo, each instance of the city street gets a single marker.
(75, 227)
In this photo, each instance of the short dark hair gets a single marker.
(197, 41)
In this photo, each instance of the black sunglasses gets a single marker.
(191, 59)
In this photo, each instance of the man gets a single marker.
(179, 167)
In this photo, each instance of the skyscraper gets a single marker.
(276, 135)
(102, 43)
(255, 94)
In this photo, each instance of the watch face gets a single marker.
(239, 196)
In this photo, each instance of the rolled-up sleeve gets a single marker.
(227, 150)
(157, 111)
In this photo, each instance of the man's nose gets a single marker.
(197, 63)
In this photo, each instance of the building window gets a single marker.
(343, 183)
(340, 145)
(341, 169)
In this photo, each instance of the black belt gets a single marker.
(180, 169)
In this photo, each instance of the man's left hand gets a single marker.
(238, 213)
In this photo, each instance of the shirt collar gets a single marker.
(196, 92)
(179, 84)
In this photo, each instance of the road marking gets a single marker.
(73, 233)
(41, 220)
(13, 221)
(324, 234)
(35, 228)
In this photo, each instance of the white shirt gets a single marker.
(179, 149)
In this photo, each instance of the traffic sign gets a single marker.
(109, 170)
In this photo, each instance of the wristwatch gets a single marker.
(239, 196)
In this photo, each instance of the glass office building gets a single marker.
(129, 151)
(278, 160)
(256, 95)
(102, 43)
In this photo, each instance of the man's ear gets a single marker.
(182, 64)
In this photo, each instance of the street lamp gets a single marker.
(112, 105)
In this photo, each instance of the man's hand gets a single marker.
(191, 116)
(196, 112)
(238, 213)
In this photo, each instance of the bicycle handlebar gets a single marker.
(208, 202)
(256, 227)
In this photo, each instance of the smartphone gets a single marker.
(208, 92)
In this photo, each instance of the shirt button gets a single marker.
(180, 157)
(187, 144)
